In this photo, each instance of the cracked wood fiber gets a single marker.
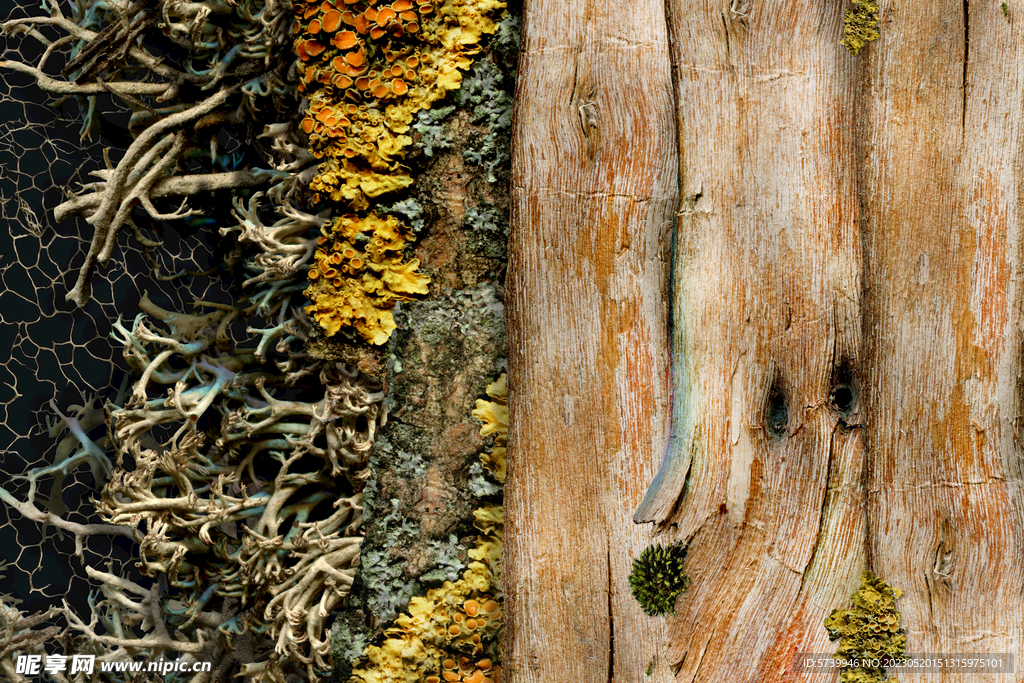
(763, 476)
(847, 331)
(594, 190)
(940, 171)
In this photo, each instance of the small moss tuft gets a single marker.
(657, 578)
(868, 630)
(1006, 9)
(860, 25)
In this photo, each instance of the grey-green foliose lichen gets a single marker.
(483, 89)
(429, 124)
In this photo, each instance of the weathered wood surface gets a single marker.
(811, 153)
(767, 329)
(847, 333)
(941, 127)
(594, 190)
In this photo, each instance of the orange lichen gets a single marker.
(367, 67)
(359, 275)
(382, 49)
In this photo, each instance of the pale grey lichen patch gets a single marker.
(410, 464)
(484, 89)
(429, 124)
(388, 590)
(509, 33)
(348, 639)
(410, 212)
(448, 563)
(486, 218)
(481, 482)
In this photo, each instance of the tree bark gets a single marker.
(846, 333)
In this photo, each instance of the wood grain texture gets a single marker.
(805, 171)
(763, 477)
(941, 131)
(595, 188)
(847, 335)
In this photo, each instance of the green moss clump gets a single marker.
(860, 25)
(868, 630)
(657, 578)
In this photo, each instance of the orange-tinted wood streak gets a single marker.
(941, 178)
(766, 321)
(594, 191)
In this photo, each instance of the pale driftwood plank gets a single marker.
(594, 174)
(764, 476)
(942, 189)
(848, 224)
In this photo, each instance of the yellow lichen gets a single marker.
(344, 181)
(359, 275)
(367, 67)
(869, 631)
(452, 634)
(860, 25)
(494, 415)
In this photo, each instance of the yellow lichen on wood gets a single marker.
(860, 25)
(367, 67)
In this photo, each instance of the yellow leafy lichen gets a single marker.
(367, 67)
(360, 273)
(869, 631)
(452, 634)
(345, 182)
(494, 415)
(860, 25)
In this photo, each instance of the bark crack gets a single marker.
(728, 47)
(967, 52)
(703, 653)
(821, 511)
(655, 492)
(611, 622)
(931, 606)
